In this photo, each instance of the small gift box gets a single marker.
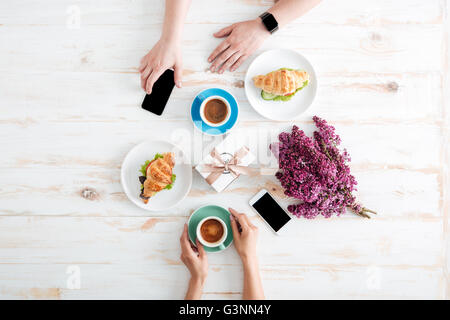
(225, 163)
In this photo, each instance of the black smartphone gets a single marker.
(156, 101)
(269, 209)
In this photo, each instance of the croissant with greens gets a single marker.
(281, 82)
(157, 175)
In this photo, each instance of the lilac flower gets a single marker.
(316, 172)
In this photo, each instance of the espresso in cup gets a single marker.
(212, 232)
(215, 111)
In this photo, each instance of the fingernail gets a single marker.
(209, 59)
(179, 84)
(231, 217)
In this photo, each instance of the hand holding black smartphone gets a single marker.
(156, 101)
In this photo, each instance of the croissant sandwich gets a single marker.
(157, 175)
(281, 84)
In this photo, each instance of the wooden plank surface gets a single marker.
(69, 112)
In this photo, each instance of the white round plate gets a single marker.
(130, 175)
(272, 60)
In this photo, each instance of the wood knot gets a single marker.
(375, 37)
(89, 194)
(239, 84)
(392, 86)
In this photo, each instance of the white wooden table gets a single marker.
(69, 112)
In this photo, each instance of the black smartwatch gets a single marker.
(269, 22)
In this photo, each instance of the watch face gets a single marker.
(270, 22)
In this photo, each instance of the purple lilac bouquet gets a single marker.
(315, 171)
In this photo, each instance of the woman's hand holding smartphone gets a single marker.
(157, 76)
(166, 54)
(157, 100)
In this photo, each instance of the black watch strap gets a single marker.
(269, 22)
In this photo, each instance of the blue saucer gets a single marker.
(204, 127)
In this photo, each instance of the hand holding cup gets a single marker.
(245, 235)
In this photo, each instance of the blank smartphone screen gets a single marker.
(156, 101)
(269, 209)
